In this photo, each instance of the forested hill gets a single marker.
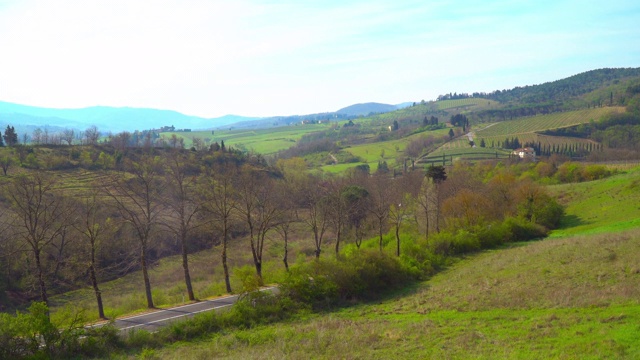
(560, 90)
(366, 109)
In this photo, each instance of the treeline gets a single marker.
(383, 231)
(177, 201)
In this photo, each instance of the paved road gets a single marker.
(155, 319)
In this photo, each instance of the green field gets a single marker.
(264, 141)
(388, 151)
(601, 206)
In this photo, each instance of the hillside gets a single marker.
(366, 109)
(568, 297)
(563, 89)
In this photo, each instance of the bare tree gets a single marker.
(357, 202)
(37, 137)
(177, 142)
(6, 160)
(41, 217)
(92, 225)
(286, 216)
(9, 248)
(337, 210)
(398, 211)
(380, 187)
(198, 143)
(220, 202)
(437, 175)
(68, 135)
(183, 204)
(427, 202)
(316, 204)
(121, 140)
(259, 207)
(91, 135)
(136, 197)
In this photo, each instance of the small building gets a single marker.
(525, 153)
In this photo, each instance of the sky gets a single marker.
(210, 58)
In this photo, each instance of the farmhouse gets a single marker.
(525, 153)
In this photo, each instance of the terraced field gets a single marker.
(528, 125)
(525, 129)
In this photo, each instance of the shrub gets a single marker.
(492, 235)
(359, 275)
(33, 335)
(248, 278)
(549, 213)
(465, 242)
(523, 230)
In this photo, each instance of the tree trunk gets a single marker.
(286, 252)
(338, 243)
(41, 283)
(259, 271)
(317, 242)
(185, 267)
(145, 275)
(426, 216)
(398, 240)
(224, 260)
(380, 233)
(94, 283)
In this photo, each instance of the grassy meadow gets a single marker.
(548, 299)
(605, 206)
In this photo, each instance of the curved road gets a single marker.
(155, 319)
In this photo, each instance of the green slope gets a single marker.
(569, 297)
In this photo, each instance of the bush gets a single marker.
(33, 335)
(465, 242)
(492, 235)
(549, 213)
(248, 278)
(257, 308)
(359, 275)
(523, 230)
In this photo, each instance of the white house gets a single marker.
(525, 153)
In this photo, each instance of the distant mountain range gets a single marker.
(107, 118)
(115, 119)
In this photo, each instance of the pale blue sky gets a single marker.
(261, 58)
